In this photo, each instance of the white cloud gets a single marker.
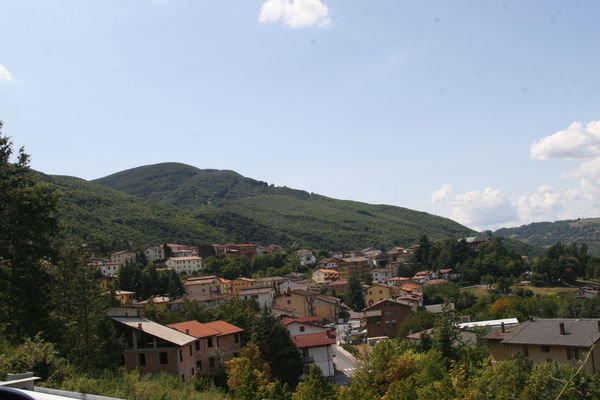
(575, 142)
(5, 74)
(295, 13)
(487, 209)
(440, 195)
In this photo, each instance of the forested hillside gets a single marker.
(545, 234)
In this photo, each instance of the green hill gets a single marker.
(545, 234)
(307, 219)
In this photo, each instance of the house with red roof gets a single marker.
(219, 341)
(314, 341)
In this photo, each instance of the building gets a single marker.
(263, 296)
(448, 274)
(314, 340)
(236, 250)
(161, 303)
(202, 286)
(353, 266)
(154, 348)
(306, 257)
(564, 340)
(209, 301)
(154, 253)
(324, 275)
(124, 297)
(308, 303)
(379, 292)
(239, 284)
(338, 287)
(218, 341)
(106, 268)
(385, 317)
(187, 265)
(381, 274)
(329, 263)
(124, 257)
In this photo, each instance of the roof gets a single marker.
(224, 327)
(257, 290)
(313, 340)
(390, 300)
(156, 329)
(201, 278)
(329, 260)
(354, 259)
(338, 283)
(436, 281)
(382, 270)
(190, 258)
(493, 322)
(440, 308)
(579, 332)
(287, 321)
(328, 271)
(195, 328)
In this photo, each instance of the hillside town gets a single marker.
(311, 306)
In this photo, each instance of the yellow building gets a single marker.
(239, 284)
(354, 266)
(564, 340)
(124, 297)
(379, 292)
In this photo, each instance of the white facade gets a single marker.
(381, 275)
(300, 328)
(322, 357)
(107, 268)
(263, 296)
(306, 257)
(154, 253)
(186, 265)
(123, 257)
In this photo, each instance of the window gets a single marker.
(164, 357)
(301, 329)
(211, 362)
(545, 349)
(180, 355)
(289, 302)
(191, 350)
(572, 353)
(193, 372)
(209, 342)
(142, 359)
(199, 365)
(526, 350)
(197, 345)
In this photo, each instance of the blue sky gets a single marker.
(481, 111)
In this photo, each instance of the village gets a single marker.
(311, 306)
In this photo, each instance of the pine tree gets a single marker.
(27, 227)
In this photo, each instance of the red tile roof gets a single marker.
(313, 340)
(287, 321)
(194, 328)
(224, 327)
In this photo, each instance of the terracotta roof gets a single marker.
(195, 329)
(436, 281)
(328, 271)
(313, 340)
(224, 327)
(337, 283)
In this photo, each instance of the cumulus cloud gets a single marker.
(578, 141)
(5, 74)
(295, 13)
(485, 209)
(440, 195)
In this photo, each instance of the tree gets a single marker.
(315, 387)
(80, 326)
(277, 348)
(27, 228)
(354, 296)
(423, 252)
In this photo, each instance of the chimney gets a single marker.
(187, 331)
(140, 325)
(562, 328)
(502, 327)
(598, 322)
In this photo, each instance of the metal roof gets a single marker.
(155, 329)
(578, 332)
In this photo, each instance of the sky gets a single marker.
(486, 112)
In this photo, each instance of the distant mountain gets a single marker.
(545, 234)
(174, 202)
(299, 216)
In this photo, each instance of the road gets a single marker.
(345, 363)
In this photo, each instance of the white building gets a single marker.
(154, 253)
(263, 296)
(124, 257)
(306, 257)
(106, 268)
(316, 348)
(381, 274)
(186, 265)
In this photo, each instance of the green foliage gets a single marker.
(80, 327)
(315, 387)
(354, 296)
(551, 379)
(416, 322)
(27, 228)
(562, 264)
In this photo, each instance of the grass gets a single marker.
(478, 291)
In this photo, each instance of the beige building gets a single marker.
(354, 266)
(240, 284)
(124, 257)
(564, 340)
(379, 292)
(324, 275)
(187, 265)
(307, 303)
(202, 286)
